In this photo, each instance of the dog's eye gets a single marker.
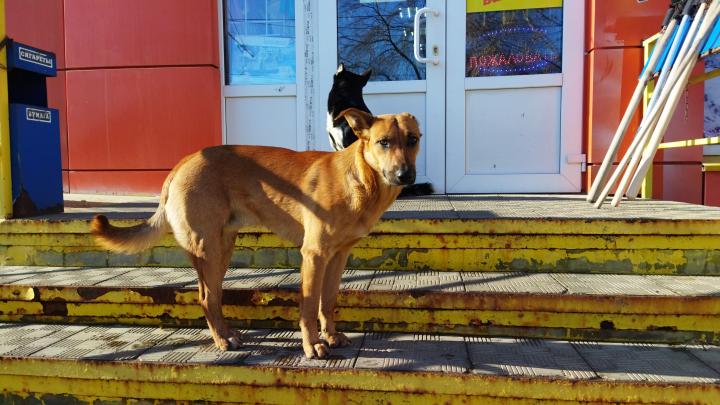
(384, 143)
(412, 141)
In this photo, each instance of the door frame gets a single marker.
(569, 178)
(434, 87)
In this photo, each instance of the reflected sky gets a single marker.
(260, 41)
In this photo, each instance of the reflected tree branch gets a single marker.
(402, 54)
(372, 35)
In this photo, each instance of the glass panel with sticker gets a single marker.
(259, 42)
(513, 37)
(379, 34)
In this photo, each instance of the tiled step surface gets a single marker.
(477, 206)
(182, 362)
(567, 306)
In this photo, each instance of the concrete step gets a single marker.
(77, 364)
(669, 309)
(456, 233)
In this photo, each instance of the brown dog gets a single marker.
(324, 202)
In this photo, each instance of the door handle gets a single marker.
(416, 43)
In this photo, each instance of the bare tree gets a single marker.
(380, 36)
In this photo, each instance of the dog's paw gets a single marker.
(338, 340)
(316, 350)
(229, 343)
(234, 342)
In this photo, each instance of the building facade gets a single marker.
(513, 96)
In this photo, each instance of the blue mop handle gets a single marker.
(677, 8)
(713, 40)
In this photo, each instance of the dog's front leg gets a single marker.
(312, 274)
(331, 286)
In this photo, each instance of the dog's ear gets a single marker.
(366, 75)
(340, 69)
(359, 121)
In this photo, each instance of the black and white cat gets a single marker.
(347, 92)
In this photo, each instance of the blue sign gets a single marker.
(21, 56)
(35, 158)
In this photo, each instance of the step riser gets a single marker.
(485, 226)
(570, 326)
(636, 308)
(687, 247)
(424, 241)
(279, 386)
(136, 392)
(636, 336)
(413, 299)
(617, 261)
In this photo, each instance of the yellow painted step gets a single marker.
(453, 233)
(568, 306)
(87, 363)
(628, 254)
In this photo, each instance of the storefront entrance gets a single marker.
(497, 86)
(498, 110)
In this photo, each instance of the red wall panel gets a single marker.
(141, 118)
(117, 182)
(592, 171)
(687, 123)
(616, 23)
(612, 78)
(38, 23)
(57, 98)
(66, 181)
(712, 189)
(111, 33)
(675, 182)
(678, 182)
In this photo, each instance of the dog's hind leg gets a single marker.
(211, 269)
(203, 231)
(312, 274)
(330, 288)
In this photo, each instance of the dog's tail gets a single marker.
(135, 238)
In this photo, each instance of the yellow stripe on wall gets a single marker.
(483, 6)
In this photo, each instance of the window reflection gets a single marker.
(712, 98)
(259, 41)
(514, 42)
(378, 34)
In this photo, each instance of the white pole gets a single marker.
(665, 118)
(637, 143)
(684, 58)
(651, 116)
(663, 123)
(629, 112)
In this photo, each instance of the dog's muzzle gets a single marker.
(403, 176)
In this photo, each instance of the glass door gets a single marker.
(380, 35)
(261, 47)
(514, 96)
